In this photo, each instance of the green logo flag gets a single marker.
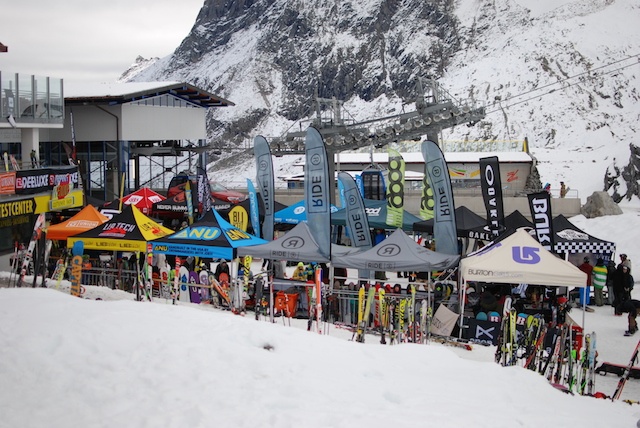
(444, 219)
(426, 201)
(395, 189)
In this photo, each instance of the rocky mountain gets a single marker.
(564, 74)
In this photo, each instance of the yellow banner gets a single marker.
(107, 244)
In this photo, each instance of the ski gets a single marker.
(362, 328)
(28, 255)
(359, 332)
(625, 375)
(383, 315)
(591, 371)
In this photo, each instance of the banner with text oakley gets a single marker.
(264, 177)
(492, 193)
(444, 225)
(316, 191)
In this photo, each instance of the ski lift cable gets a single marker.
(553, 90)
(591, 71)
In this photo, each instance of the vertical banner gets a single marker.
(356, 217)
(204, 191)
(444, 219)
(316, 191)
(264, 177)
(253, 207)
(492, 193)
(395, 190)
(187, 194)
(426, 200)
(343, 202)
(540, 206)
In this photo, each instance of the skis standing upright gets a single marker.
(591, 372)
(28, 255)
(625, 375)
(364, 318)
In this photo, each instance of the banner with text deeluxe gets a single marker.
(540, 206)
(264, 177)
(316, 191)
(444, 218)
(492, 193)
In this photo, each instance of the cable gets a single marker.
(501, 108)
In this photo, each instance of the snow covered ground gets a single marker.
(69, 362)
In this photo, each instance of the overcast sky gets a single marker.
(90, 41)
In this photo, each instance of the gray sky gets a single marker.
(89, 40)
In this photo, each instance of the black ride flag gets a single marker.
(204, 191)
(264, 177)
(444, 224)
(492, 193)
(316, 191)
(540, 206)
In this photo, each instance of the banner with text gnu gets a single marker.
(264, 177)
(491, 185)
(444, 218)
(540, 206)
(316, 191)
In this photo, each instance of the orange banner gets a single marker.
(8, 183)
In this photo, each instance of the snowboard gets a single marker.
(183, 274)
(194, 290)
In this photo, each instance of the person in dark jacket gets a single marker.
(622, 287)
(631, 306)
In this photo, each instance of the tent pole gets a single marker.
(461, 287)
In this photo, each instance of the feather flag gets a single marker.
(264, 168)
(395, 189)
(444, 225)
(316, 191)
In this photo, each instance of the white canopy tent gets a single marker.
(519, 259)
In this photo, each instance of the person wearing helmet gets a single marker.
(300, 273)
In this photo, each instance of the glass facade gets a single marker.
(31, 99)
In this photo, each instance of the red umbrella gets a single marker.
(143, 199)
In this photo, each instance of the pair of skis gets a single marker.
(364, 309)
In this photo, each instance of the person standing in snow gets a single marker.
(563, 189)
(599, 281)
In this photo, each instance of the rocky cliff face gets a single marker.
(546, 71)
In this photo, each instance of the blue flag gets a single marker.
(253, 207)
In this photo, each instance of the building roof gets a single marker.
(119, 93)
